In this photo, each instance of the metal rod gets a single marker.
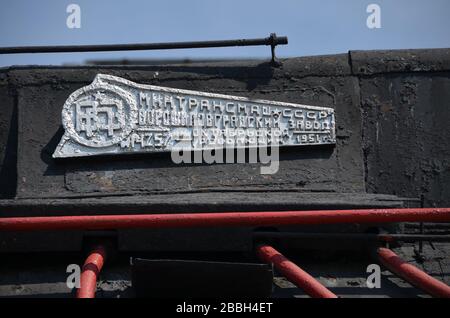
(272, 40)
(412, 274)
(293, 272)
(422, 204)
(225, 219)
(91, 269)
(355, 236)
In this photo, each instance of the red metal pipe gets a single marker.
(293, 273)
(91, 269)
(412, 274)
(99, 222)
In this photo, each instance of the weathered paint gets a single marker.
(224, 219)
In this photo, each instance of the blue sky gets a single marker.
(314, 27)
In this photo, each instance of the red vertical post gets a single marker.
(293, 272)
(412, 274)
(91, 269)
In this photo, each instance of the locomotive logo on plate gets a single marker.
(114, 116)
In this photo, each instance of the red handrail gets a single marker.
(189, 220)
(293, 272)
(91, 269)
(412, 274)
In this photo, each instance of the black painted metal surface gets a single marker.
(392, 142)
(205, 279)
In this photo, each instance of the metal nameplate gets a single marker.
(117, 116)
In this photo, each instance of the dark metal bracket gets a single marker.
(273, 40)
